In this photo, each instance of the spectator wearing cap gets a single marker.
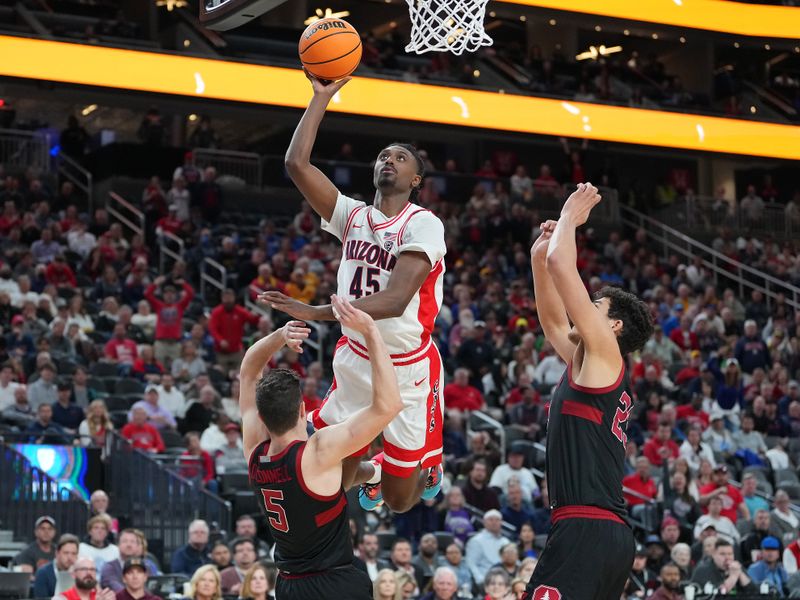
(42, 550)
(723, 571)
(229, 457)
(751, 351)
(460, 395)
(227, 325)
(132, 544)
(673, 321)
(43, 390)
(670, 583)
(18, 343)
(157, 416)
(670, 533)
(723, 525)
(661, 447)
(141, 434)
(656, 552)
(47, 581)
(134, 578)
(514, 467)
(66, 413)
(732, 501)
(169, 315)
(97, 545)
(483, 548)
(769, 569)
(43, 430)
(642, 580)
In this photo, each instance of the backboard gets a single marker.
(222, 15)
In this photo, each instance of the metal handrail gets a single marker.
(205, 278)
(134, 222)
(164, 240)
(80, 177)
(719, 264)
(19, 148)
(494, 424)
(244, 165)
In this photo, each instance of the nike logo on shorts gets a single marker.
(419, 383)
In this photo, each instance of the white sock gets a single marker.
(376, 477)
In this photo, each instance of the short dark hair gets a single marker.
(244, 540)
(67, 538)
(637, 321)
(420, 165)
(721, 542)
(399, 540)
(278, 400)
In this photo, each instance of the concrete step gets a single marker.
(6, 536)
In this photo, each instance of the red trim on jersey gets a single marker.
(403, 227)
(592, 390)
(364, 350)
(403, 454)
(433, 439)
(583, 411)
(391, 221)
(426, 314)
(356, 348)
(350, 222)
(283, 452)
(302, 481)
(329, 515)
(584, 512)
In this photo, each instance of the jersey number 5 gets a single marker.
(359, 287)
(620, 417)
(277, 516)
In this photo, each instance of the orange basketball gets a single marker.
(330, 49)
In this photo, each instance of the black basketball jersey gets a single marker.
(586, 442)
(311, 532)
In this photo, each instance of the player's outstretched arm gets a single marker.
(255, 359)
(562, 256)
(332, 444)
(550, 308)
(312, 183)
(409, 274)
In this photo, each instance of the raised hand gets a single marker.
(580, 203)
(294, 334)
(540, 245)
(351, 317)
(326, 89)
(293, 308)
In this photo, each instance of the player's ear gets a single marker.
(616, 326)
(302, 411)
(416, 181)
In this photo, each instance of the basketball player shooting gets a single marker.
(299, 478)
(392, 269)
(590, 549)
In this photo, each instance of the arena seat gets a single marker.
(129, 386)
(785, 476)
(444, 538)
(104, 369)
(233, 481)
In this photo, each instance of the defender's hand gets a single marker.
(294, 334)
(351, 317)
(580, 204)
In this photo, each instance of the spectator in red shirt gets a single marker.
(169, 314)
(59, 273)
(141, 434)
(660, 446)
(226, 326)
(693, 413)
(640, 482)
(201, 466)
(690, 371)
(146, 367)
(683, 336)
(310, 398)
(732, 501)
(120, 349)
(171, 223)
(460, 395)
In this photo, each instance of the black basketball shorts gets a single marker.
(340, 583)
(588, 556)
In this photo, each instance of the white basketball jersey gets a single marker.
(371, 245)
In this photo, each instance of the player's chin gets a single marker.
(386, 180)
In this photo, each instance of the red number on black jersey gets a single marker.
(621, 416)
(278, 521)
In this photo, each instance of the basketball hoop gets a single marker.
(447, 26)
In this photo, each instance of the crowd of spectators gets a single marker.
(95, 340)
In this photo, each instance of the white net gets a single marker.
(447, 26)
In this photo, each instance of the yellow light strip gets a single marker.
(725, 16)
(223, 80)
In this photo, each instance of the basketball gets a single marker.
(330, 49)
